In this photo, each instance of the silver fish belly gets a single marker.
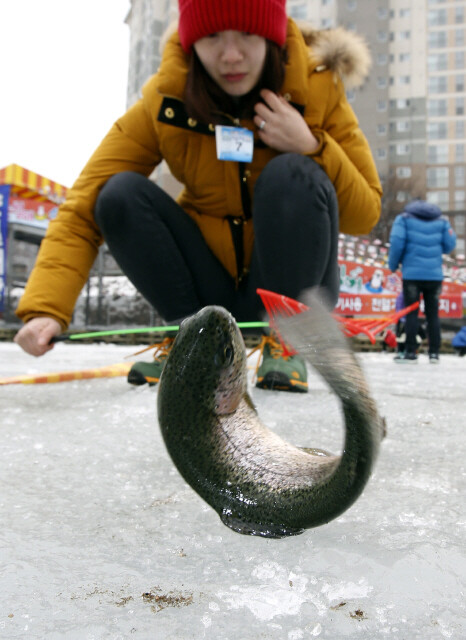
(258, 483)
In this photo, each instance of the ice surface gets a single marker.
(100, 537)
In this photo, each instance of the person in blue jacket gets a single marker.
(419, 237)
(459, 341)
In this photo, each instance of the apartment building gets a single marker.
(147, 21)
(411, 108)
(445, 110)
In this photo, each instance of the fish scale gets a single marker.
(258, 483)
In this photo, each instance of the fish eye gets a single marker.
(228, 355)
(224, 356)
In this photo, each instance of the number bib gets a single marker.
(234, 143)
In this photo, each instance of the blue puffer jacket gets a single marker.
(419, 237)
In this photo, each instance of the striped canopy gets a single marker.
(27, 184)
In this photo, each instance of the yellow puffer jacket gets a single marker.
(157, 128)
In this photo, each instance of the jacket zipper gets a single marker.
(236, 223)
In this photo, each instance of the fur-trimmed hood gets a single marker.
(342, 51)
(339, 50)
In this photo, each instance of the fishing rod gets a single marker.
(116, 332)
(266, 296)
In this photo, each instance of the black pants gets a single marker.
(430, 290)
(163, 253)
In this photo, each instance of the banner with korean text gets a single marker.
(4, 196)
(372, 291)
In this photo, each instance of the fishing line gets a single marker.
(116, 332)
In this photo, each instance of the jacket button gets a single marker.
(192, 122)
(211, 127)
(287, 97)
(169, 113)
(237, 221)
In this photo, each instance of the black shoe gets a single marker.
(150, 372)
(433, 358)
(278, 371)
(405, 358)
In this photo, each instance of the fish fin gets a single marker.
(384, 426)
(248, 400)
(264, 530)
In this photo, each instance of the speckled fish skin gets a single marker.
(257, 482)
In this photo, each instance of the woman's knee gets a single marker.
(294, 169)
(115, 194)
(292, 182)
(292, 186)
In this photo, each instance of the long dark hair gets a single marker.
(205, 101)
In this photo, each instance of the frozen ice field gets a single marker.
(100, 538)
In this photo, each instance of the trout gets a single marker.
(258, 483)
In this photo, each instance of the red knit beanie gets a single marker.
(200, 18)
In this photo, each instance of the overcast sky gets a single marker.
(63, 81)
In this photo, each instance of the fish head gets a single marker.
(208, 361)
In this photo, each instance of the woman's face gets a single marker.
(233, 59)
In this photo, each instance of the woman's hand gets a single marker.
(35, 336)
(281, 126)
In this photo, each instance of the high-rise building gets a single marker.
(411, 108)
(148, 21)
(445, 110)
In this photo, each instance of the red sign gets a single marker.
(453, 287)
(364, 279)
(450, 306)
(29, 211)
(350, 304)
(372, 291)
(353, 304)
